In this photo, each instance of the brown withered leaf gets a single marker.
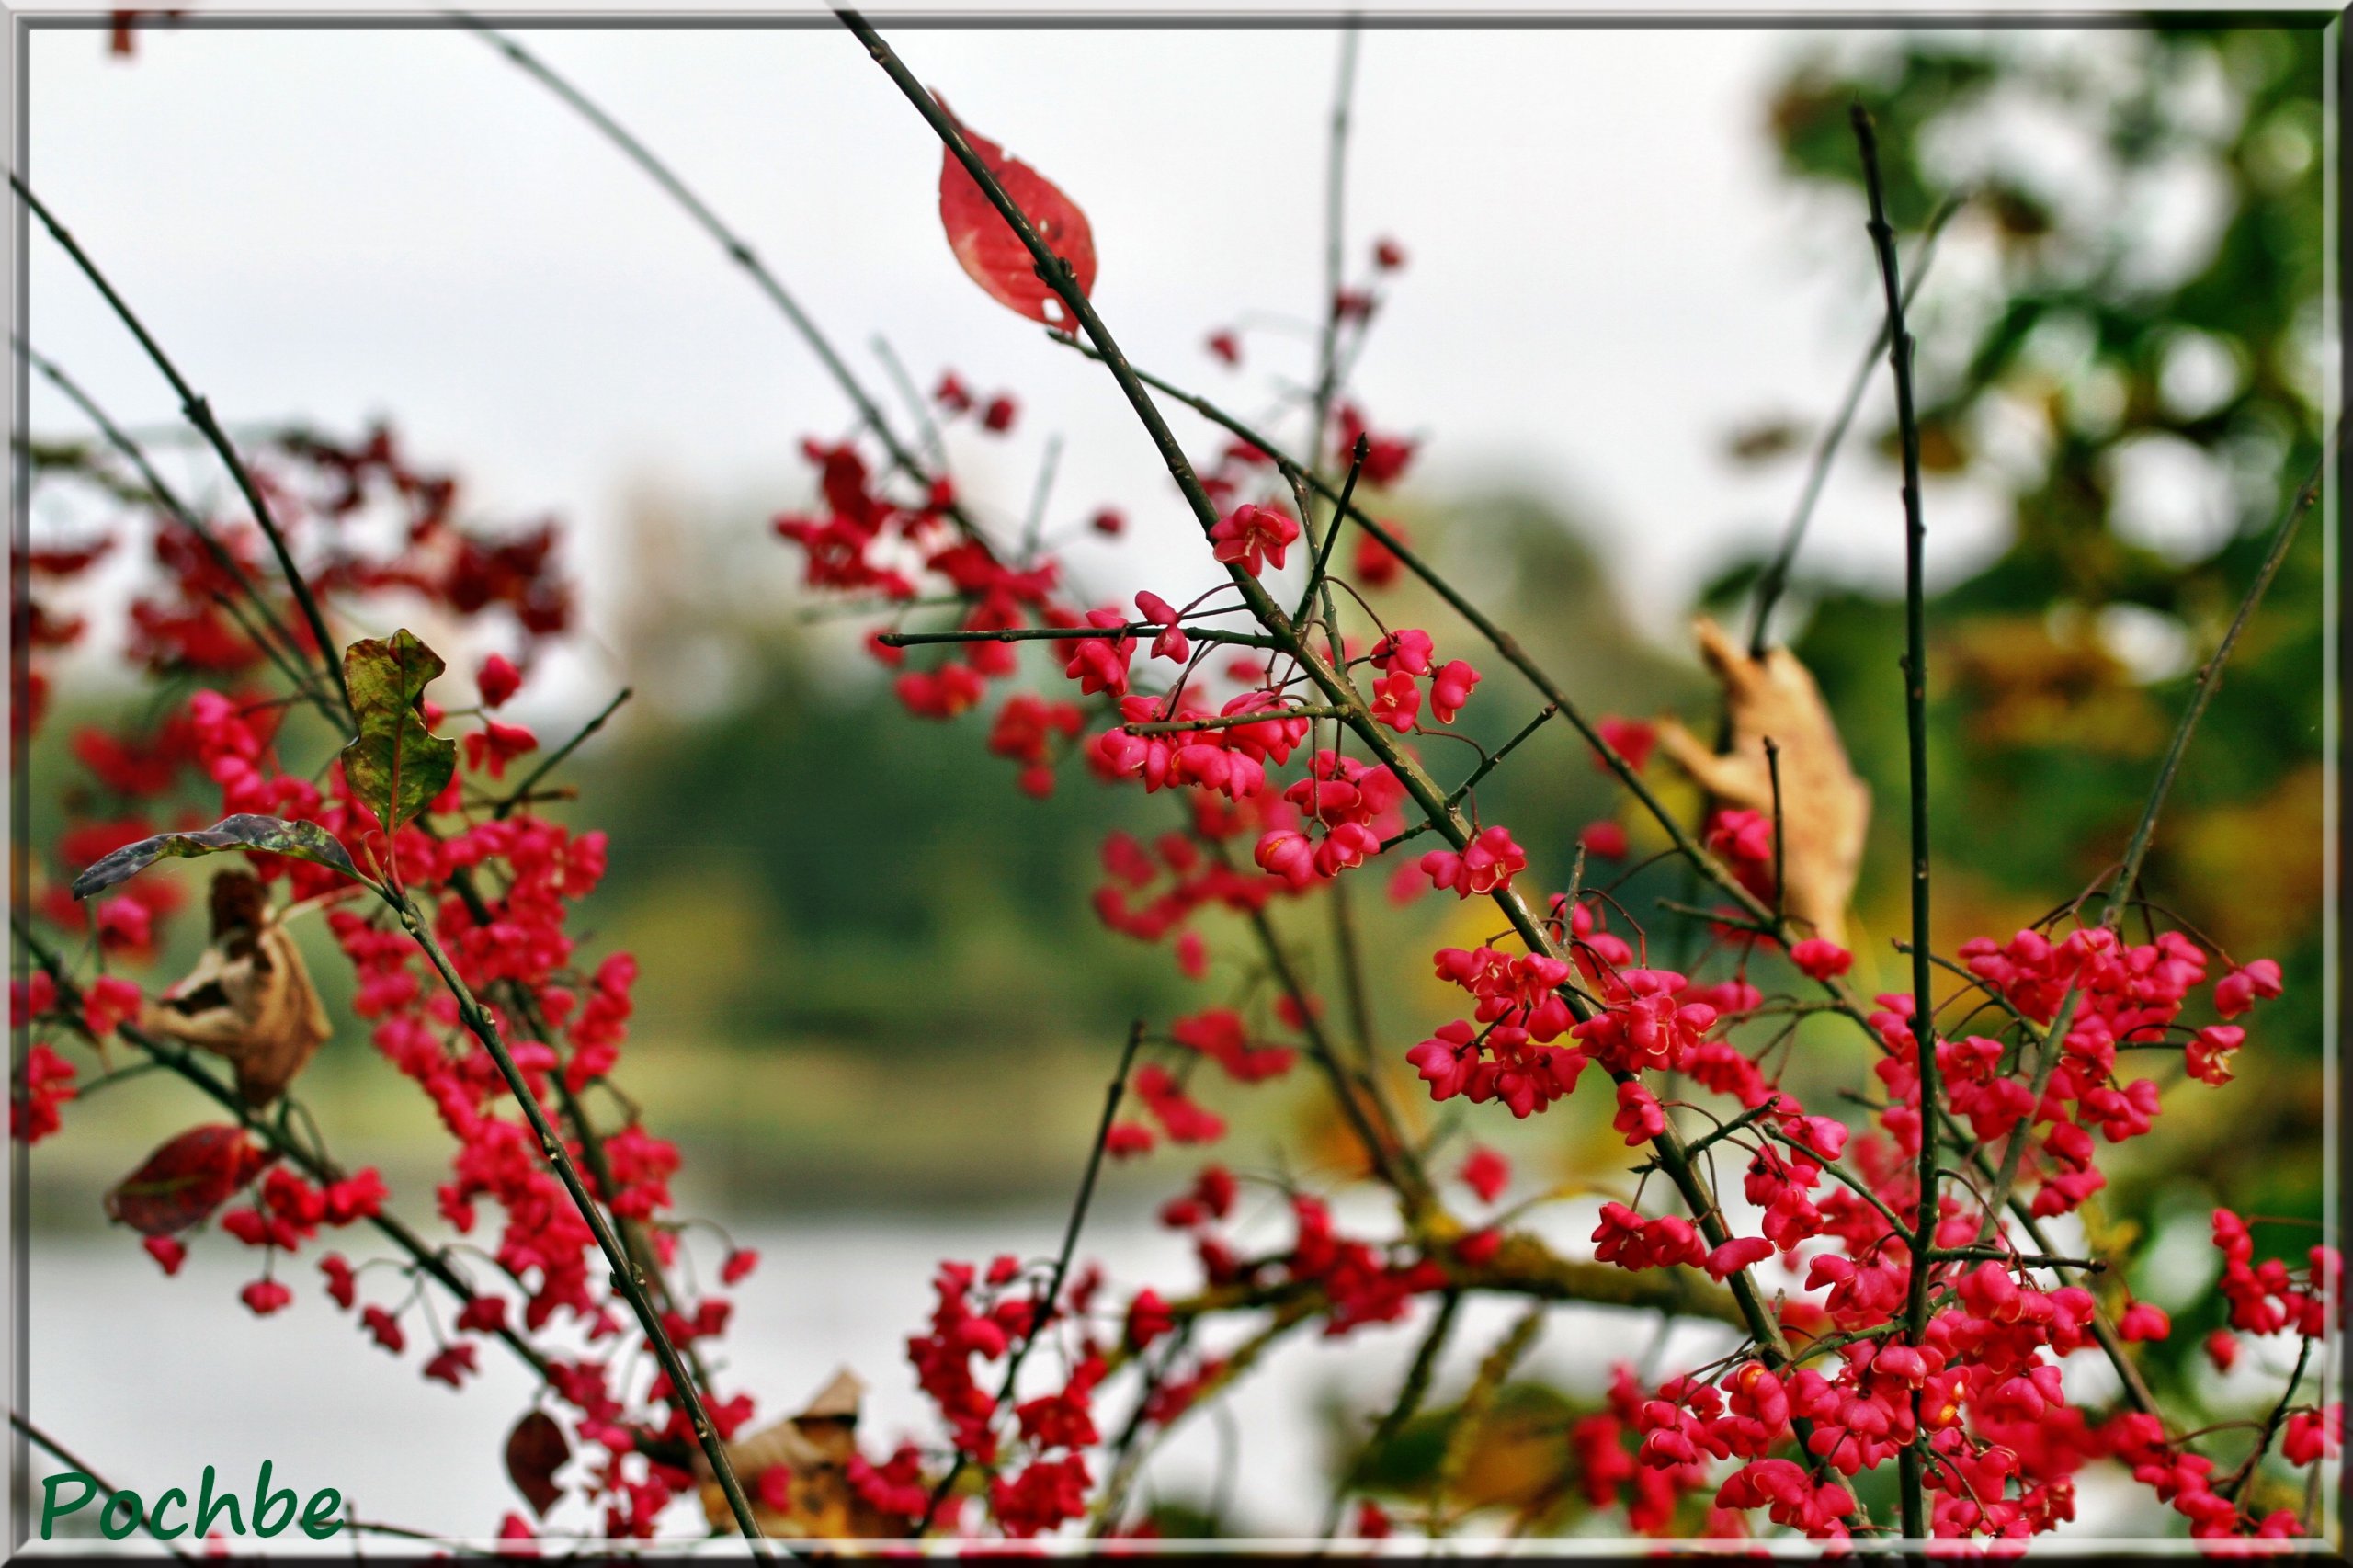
(250, 999)
(1826, 809)
(814, 1449)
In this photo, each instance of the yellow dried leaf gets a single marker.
(1826, 809)
(813, 1450)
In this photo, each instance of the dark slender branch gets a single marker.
(1775, 579)
(523, 1004)
(1043, 1312)
(121, 441)
(2245, 1472)
(1384, 1145)
(1039, 496)
(1717, 917)
(2016, 1259)
(2209, 676)
(1847, 1003)
(1503, 641)
(1321, 567)
(737, 248)
(1780, 839)
(1916, 716)
(1763, 1108)
(626, 1277)
(199, 413)
(1837, 1172)
(1230, 1369)
(1336, 201)
(107, 1489)
(296, 673)
(555, 759)
(2128, 871)
(1487, 765)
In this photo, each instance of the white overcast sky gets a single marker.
(1607, 272)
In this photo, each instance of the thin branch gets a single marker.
(199, 413)
(2128, 871)
(1764, 1108)
(1043, 1314)
(1834, 1169)
(1059, 276)
(107, 1489)
(737, 248)
(434, 1262)
(1916, 717)
(555, 759)
(1775, 579)
(1503, 641)
(280, 652)
(1319, 571)
(2245, 1472)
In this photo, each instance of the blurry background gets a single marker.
(876, 1009)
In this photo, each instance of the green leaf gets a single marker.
(395, 765)
(302, 840)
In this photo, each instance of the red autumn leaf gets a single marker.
(986, 246)
(186, 1179)
(536, 1449)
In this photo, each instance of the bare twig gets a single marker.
(107, 1489)
(1915, 715)
(1775, 579)
(555, 759)
(2136, 851)
(738, 250)
(1043, 1314)
(283, 650)
(2245, 1472)
(199, 413)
